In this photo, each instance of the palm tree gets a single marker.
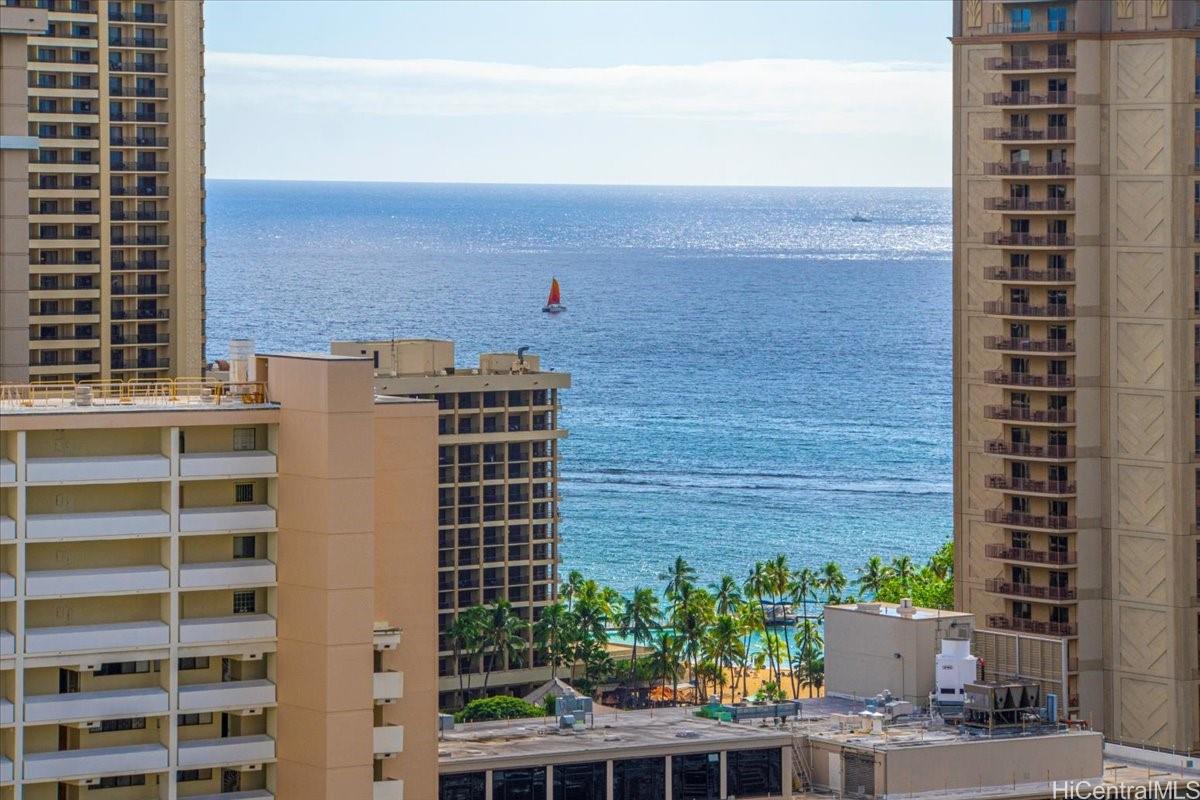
(555, 632)
(465, 634)
(638, 620)
(779, 576)
(680, 577)
(872, 575)
(833, 581)
(903, 570)
(801, 590)
(725, 647)
(503, 637)
(808, 645)
(666, 658)
(571, 588)
(727, 593)
(696, 611)
(812, 674)
(757, 585)
(749, 620)
(591, 619)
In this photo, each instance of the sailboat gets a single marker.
(554, 301)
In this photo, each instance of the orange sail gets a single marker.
(554, 298)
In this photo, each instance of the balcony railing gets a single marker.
(998, 377)
(129, 66)
(139, 191)
(51, 582)
(1029, 345)
(145, 239)
(1029, 99)
(1006, 483)
(127, 759)
(140, 166)
(1054, 310)
(160, 288)
(1028, 168)
(1026, 204)
(141, 313)
(1023, 414)
(1029, 556)
(138, 42)
(141, 216)
(1000, 516)
(1010, 134)
(1005, 622)
(998, 586)
(138, 141)
(160, 263)
(137, 116)
(1016, 63)
(136, 16)
(1009, 239)
(1000, 447)
(137, 91)
(83, 469)
(1026, 275)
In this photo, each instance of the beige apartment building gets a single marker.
(110, 131)
(1077, 354)
(497, 477)
(218, 590)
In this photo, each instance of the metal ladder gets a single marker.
(801, 780)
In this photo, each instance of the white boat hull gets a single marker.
(554, 308)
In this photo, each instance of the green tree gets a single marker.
(779, 578)
(667, 657)
(903, 570)
(872, 575)
(466, 638)
(680, 577)
(504, 638)
(724, 647)
(638, 620)
(569, 591)
(758, 586)
(832, 581)
(556, 632)
(695, 614)
(726, 593)
(812, 674)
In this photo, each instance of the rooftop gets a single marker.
(134, 395)
(657, 730)
(893, 610)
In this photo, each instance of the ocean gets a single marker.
(753, 373)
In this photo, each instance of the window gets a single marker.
(1060, 615)
(187, 775)
(1022, 610)
(696, 776)
(581, 781)
(193, 663)
(195, 719)
(243, 493)
(466, 786)
(244, 439)
(635, 778)
(130, 724)
(751, 773)
(1020, 540)
(123, 668)
(519, 784)
(245, 602)
(118, 781)
(1019, 19)
(1056, 19)
(245, 547)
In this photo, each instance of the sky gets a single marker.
(829, 93)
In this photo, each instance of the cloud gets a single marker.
(808, 95)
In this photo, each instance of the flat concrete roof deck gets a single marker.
(615, 734)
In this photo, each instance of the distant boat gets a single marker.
(554, 301)
(860, 218)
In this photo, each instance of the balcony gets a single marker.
(8, 586)
(141, 313)
(389, 740)
(136, 91)
(1005, 239)
(1029, 169)
(1022, 64)
(1007, 623)
(1029, 345)
(1019, 519)
(140, 166)
(387, 638)
(1001, 447)
(1048, 311)
(98, 524)
(1029, 99)
(6, 769)
(236, 464)
(230, 694)
(110, 636)
(139, 191)
(1001, 378)
(156, 69)
(1049, 416)
(1057, 133)
(147, 265)
(89, 706)
(216, 519)
(1026, 204)
(55, 582)
(227, 750)
(232, 628)
(1018, 28)
(137, 116)
(997, 586)
(388, 789)
(389, 686)
(151, 466)
(147, 239)
(1027, 556)
(142, 289)
(254, 794)
(96, 761)
(136, 16)
(244, 572)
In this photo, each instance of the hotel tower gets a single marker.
(497, 476)
(216, 589)
(1077, 354)
(102, 167)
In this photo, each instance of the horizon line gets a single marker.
(588, 185)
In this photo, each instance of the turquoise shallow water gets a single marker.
(753, 372)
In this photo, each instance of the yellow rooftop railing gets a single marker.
(155, 392)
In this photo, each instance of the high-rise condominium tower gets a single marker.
(111, 285)
(497, 476)
(1077, 353)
